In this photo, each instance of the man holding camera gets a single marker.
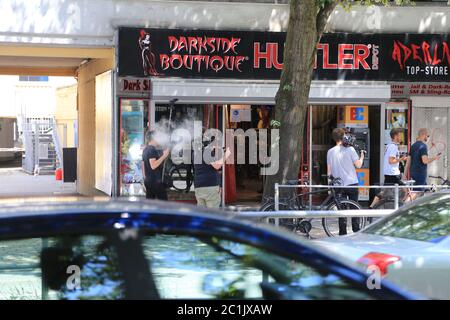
(342, 161)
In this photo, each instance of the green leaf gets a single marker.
(275, 124)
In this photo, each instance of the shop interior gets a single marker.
(324, 118)
(248, 182)
(243, 182)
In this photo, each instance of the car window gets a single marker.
(78, 267)
(426, 221)
(187, 267)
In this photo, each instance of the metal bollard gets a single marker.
(44, 288)
(396, 197)
(277, 203)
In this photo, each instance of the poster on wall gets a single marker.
(363, 180)
(241, 113)
(397, 118)
(147, 52)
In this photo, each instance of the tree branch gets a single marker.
(322, 17)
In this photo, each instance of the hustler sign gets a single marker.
(259, 55)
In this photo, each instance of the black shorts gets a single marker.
(155, 190)
(391, 181)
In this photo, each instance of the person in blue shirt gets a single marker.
(418, 159)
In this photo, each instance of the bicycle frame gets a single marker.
(332, 196)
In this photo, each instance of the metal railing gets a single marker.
(315, 214)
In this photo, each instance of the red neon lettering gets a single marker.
(361, 54)
(342, 56)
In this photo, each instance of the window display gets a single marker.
(133, 122)
(397, 117)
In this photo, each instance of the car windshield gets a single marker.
(426, 221)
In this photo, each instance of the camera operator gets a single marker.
(207, 178)
(342, 161)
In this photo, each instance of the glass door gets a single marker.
(133, 123)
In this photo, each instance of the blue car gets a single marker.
(124, 249)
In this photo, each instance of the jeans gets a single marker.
(352, 194)
(419, 181)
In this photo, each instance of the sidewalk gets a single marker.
(16, 183)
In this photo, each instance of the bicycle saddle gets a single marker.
(292, 182)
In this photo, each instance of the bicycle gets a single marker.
(181, 177)
(387, 197)
(444, 181)
(388, 200)
(334, 201)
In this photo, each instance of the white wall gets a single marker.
(92, 23)
(7, 101)
(29, 98)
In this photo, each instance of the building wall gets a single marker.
(86, 123)
(92, 23)
(66, 114)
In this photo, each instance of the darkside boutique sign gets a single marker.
(259, 55)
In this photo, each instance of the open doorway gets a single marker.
(248, 180)
(365, 127)
(38, 120)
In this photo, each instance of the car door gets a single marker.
(212, 267)
(74, 266)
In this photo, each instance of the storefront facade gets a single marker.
(212, 73)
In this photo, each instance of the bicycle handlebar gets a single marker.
(436, 177)
(443, 180)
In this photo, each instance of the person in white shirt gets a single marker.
(342, 161)
(392, 159)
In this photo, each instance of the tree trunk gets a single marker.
(306, 24)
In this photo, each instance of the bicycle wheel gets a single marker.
(289, 224)
(341, 226)
(382, 204)
(179, 179)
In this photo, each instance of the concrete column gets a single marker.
(86, 123)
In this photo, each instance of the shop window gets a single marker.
(33, 78)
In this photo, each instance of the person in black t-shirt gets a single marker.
(153, 158)
(207, 181)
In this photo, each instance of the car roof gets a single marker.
(21, 207)
(70, 206)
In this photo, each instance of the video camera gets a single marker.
(350, 140)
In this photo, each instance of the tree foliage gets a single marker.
(307, 23)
